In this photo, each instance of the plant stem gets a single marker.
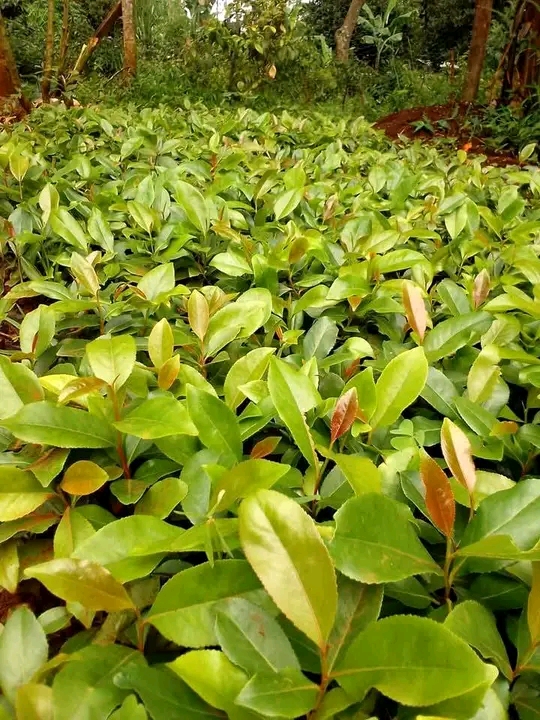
(325, 680)
(447, 572)
(120, 440)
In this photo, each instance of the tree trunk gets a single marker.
(49, 53)
(10, 83)
(112, 16)
(64, 43)
(523, 58)
(477, 52)
(345, 32)
(130, 42)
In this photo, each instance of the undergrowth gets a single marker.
(269, 421)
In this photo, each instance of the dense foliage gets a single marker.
(269, 420)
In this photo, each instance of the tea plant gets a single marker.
(270, 428)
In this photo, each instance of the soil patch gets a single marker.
(453, 121)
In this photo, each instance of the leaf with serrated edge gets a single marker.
(284, 548)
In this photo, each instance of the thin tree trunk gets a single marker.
(523, 65)
(49, 53)
(477, 52)
(345, 32)
(10, 83)
(130, 42)
(64, 42)
(112, 16)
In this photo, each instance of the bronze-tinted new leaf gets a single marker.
(457, 453)
(344, 414)
(481, 288)
(415, 308)
(265, 447)
(440, 500)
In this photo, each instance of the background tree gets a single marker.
(129, 38)
(64, 43)
(49, 54)
(10, 83)
(477, 53)
(522, 66)
(345, 32)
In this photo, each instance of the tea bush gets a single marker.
(269, 421)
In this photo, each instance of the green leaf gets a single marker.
(449, 336)
(45, 423)
(83, 478)
(68, 228)
(358, 606)
(156, 418)
(251, 638)
(83, 271)
(18, 386)
(472, 622)
(99, 230)
(84, 688)
(374, 541)
(285, 694)
(513, 512)
(116, 544)
(412, 660)
(73, 529)
(496, 547)
(284, 548)
(211, 675)
(112, 359)
(23, 650)
(20, 493)
(400, 383)
(162, 498)
(158, 283)
(37, 331)
(160, 343)
(34, 702)
(184, 610)
(143, 216)
(440, 393)
(9, 566)
(193, 204)
(18, 164)
(216, 423)
(130, 710)
(361, 473)
(246, 369)
(320, 339)
(287, 201)
(244, 479)
(283, 391)
(165, 696)
(83, 582)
